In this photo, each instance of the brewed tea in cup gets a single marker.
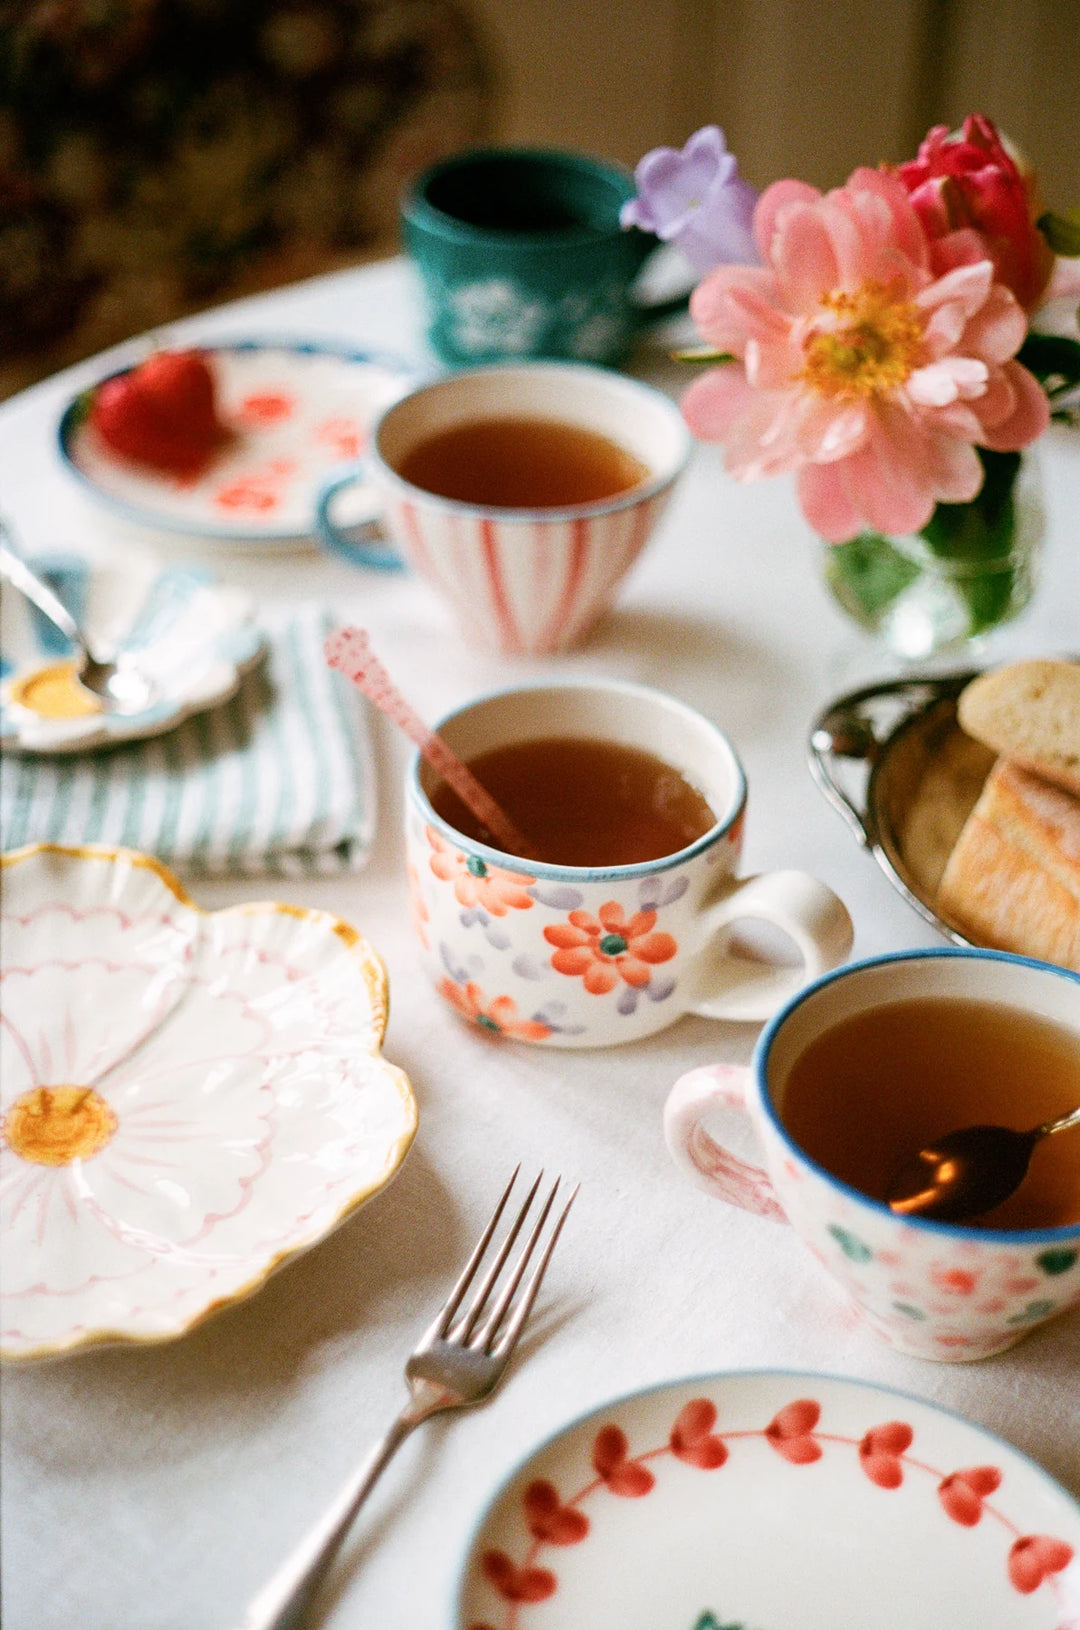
(867, 1066)
(549, 787)
(519, 463)
(522, 493)
(620, 923)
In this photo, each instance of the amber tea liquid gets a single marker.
(520, 463)
(584, 802)
(877, 1087)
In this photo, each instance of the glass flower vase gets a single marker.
(971, 568)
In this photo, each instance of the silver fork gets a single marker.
(460, 1359)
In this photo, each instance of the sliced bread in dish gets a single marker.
(1030, 712)
(1013, 879)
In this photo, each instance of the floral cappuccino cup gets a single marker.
(932, 1289)
(580, 956)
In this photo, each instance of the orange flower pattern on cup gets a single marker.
(475, 882)
(499, 1016)
(603, 949)
(602, 955)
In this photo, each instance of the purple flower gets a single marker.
(697, 200)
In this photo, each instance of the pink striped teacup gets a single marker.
(519, 580)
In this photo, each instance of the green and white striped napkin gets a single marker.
(278, 781)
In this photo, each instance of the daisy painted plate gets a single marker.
(187, 1099)
(297, 410)
(192, 637)
(774, 1501)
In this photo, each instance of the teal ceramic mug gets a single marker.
(522, 255)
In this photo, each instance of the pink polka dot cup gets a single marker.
(936, 1290)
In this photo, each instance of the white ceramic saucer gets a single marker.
(193, 638)
(298, 410)
(187, 1100)
(774, 1501)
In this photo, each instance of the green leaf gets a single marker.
(1062, 232)
(702, 353)
(80, 408)
(867, 574)
(1054, 359)
(981, 531)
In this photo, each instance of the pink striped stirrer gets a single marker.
(348, 650)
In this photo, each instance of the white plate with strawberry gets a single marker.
(231, 441)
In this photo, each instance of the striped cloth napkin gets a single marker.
(277, 781)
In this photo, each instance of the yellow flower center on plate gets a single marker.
(865, 343)
(52, 1126)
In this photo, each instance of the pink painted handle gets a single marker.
(706, 1162)
(347, 649)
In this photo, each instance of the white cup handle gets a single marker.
(364, 546)
(698, 1155)
(813, 917)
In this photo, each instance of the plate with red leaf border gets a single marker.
(774, 1500)
(295, 411)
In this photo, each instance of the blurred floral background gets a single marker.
(160, 155)
(157, 156)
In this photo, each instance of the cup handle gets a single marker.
(731, 987)
(697, 1154)
(657, 310)
(361, 549)
(647, 244)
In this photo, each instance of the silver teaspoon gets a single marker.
(969, 1171)
(120, 686)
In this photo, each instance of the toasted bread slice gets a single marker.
(1013, 878)
(1030, 712)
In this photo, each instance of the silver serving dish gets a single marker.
(892, 759)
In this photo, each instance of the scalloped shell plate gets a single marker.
(770, 1500)
(188, 1099)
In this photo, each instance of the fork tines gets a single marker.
(503, 1323)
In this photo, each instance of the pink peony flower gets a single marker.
(975, 203)
(858, 367)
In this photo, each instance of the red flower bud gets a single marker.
(974, 202)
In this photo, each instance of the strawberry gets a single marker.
(182, 388)
(162, 415)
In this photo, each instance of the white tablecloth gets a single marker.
(153, 1489)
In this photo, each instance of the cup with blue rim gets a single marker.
(950, 1291)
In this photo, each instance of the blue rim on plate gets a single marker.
(399, 374)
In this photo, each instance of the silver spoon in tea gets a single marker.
(968, 1172)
